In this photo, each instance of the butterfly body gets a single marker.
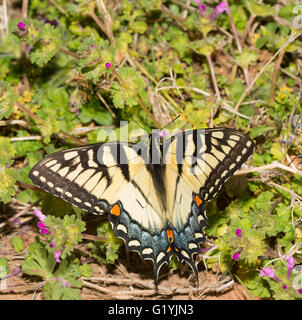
(154, 195)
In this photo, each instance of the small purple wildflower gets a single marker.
(220, 8)
(17, 222)
(38, 213)
(75, 110)
(201, 7)
(29, 48)
(290, 266)
(51, 22)
(284, 286)
(64, 282)
(21, 26)
(162, 133)
(6, 165)
(300, 290)
(40, 224)
(57, 255)
(43, 227)
(51, 245)
(285, 140)
(269, 272)
(108, 65)
(238, 233)
(236, 255)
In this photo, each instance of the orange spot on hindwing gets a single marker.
(198, 200)
(115, 210)
(170, 235)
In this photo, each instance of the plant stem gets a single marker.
(247, 28)
(239, 47)
(275, 75)
(213, 76)
(70, 53)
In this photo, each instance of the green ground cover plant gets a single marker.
(70, 71)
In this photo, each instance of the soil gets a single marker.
(130, 278)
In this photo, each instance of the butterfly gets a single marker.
(154, 192)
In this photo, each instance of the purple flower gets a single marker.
(51, 245)
(300, 290)
(51, 22)
(57, 255)
(108, 65)
(238, 233)
(29, 48)
(285, 140)
(236, 255)
(284, 286)
(269, 272)
(38, 213)
(43, 227)
(64, 282)
(6, 165)
(290, 266)
(201, 7)
(75, 110)
(21, 26)
(220, 8)
(162, 133)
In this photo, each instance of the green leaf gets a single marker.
(139, 26)
(65, 234)
(7, 183)
(18, 244)
(4, 269)
(109, 247)
(7, 151)
(127, 96)
(260, 130)
(86, 270)
(259, 9)
(276, 151)
(258, 286)
(47, 46)
(6, 100)
(236, 90)
(246, 58)
(38, 262)
(55, 290)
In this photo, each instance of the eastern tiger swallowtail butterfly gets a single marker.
(155, 196)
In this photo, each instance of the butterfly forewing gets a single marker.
(89, 177)
(206, 158)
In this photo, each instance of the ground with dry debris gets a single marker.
(130, 278)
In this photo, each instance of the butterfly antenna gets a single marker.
(165, 126)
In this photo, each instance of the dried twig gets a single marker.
(249, 88)
(274, 77)
(271, 166)
(19, 214)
